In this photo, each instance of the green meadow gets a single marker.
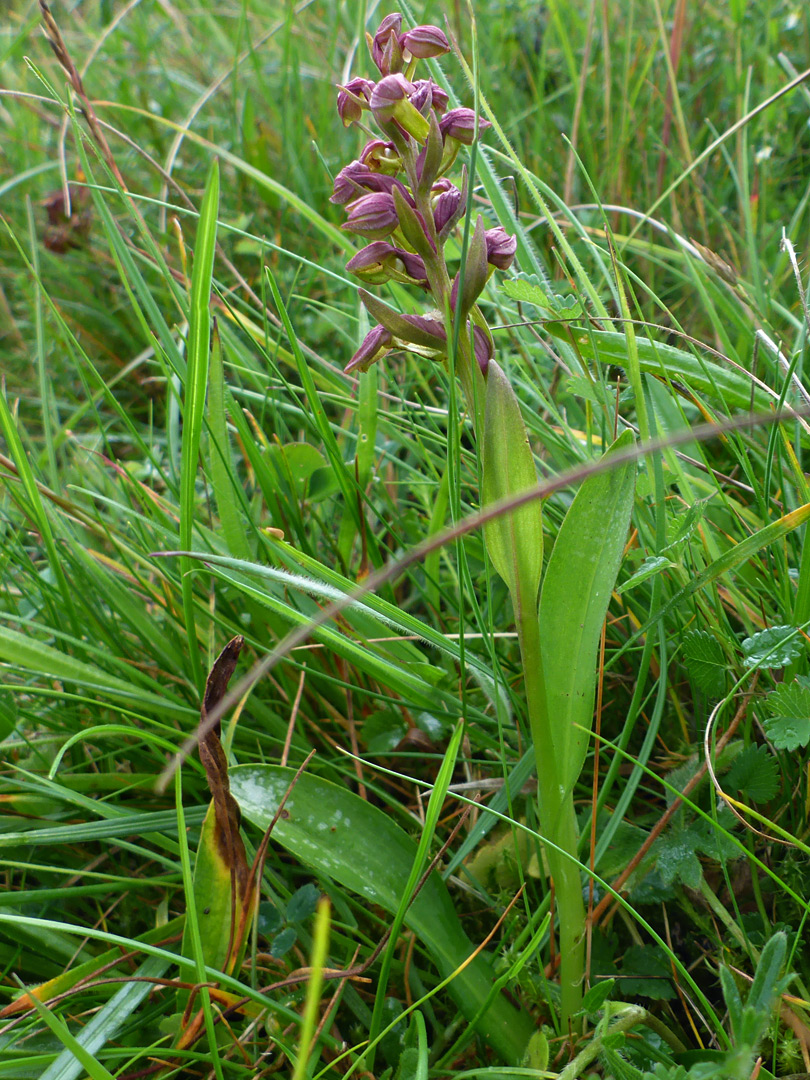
(404, 667)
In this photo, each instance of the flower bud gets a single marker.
(373, 216)
(381, 157)
(385, 49)
(390, 101)
(501, 247)
(475, 272)
(460, 124)
(352, 99)
(381, 262)
(427, 95)
(424, 42)
(446, 203)
(483, 348)
(375, 344)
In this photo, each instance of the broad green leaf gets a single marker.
(677, 860)
(772, 648)
(283, 942)
(598, 994)
(340, 835)
(705, 661)
(302, 903)
(579, 579)
(514, 540)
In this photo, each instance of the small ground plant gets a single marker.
(407, 680)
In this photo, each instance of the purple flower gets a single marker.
(387, 94)
(501, 247)
(381, 157)
(381, 261)
(385, 49)
(427, 95)
(423, 42)
(352, 99)
(483, 348)
(373, 216)
(356, 179)
(460, 124)
(425, 332)
(375, 344)
(390, 101)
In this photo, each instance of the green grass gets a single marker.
(631, 151)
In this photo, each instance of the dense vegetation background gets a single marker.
(673, 175)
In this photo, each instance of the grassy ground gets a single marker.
(124, 441)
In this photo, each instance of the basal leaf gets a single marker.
(577, 586)
(340, 835)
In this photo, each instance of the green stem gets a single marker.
(557, 818)
(626, 1018)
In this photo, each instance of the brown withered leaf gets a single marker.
(212, 756)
